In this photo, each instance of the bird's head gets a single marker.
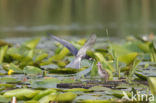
(98, 64)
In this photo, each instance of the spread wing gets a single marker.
(65, 43)
(90, 42)
(82, 53)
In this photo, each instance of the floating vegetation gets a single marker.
(69, 73)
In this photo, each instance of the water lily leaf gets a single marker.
(13, 67)
(5, 86)
(45, 83)
(2, 53)
(120, 50)
(77, 90)
(94, 101)
(21, 94)
(44, 93)
(32, 43)
(152, 84)
(31, 70)
(141, 76)
(8, 80)
(65, 70)
(128, 58)
(99, 88)
(32, 101)
(65, 97)
(46, 99)
(4, 99)
(64, 52)
(40, 57)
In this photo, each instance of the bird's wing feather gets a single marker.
(68, 45)
(90, 42)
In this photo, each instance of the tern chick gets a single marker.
(102, 73)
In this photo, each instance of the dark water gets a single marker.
(77, 17)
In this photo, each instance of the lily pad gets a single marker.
(21, 94)
(31, 70)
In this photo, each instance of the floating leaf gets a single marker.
(4, 99)
(65, 70)
(31, 70)
(77, 90)
(94, 101)
(32, 101)
(8, 80)
(44, 93)
(45, 83)
(21, 94)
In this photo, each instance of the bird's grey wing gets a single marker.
(90, 42)
(75, 63)
(82, 53)
(68, 45)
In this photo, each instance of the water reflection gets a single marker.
(35, 17)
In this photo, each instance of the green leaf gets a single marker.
(152, 84)
(4, 99)
(32, 43)
(65, 70)
(3, 51)
(44, 93)
(8, 80)
(65, 97)
(21, 94)
(31, 70)
(128, 58)
(45, 83)
(40, 57)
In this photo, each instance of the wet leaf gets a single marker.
(31, 70)
(44, 93)
(94, 101)
(4, 99)
(32, 101)
(45, 83)
(65, 70)
(77, 90)
(21, 94)
(8, 80)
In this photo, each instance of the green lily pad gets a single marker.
(45, 83)
(65, 70)
(21, 94)
(31, 70)
(94, 101)
(4, 99)
(8, 80)
(44, 93)
(59, 97)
